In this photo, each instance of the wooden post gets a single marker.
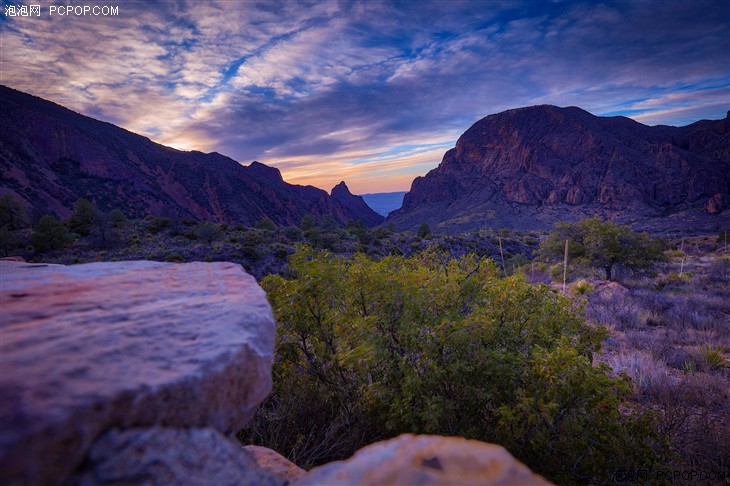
(565, 265)
(504, 269)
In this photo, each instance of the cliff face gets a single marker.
(530, 167)
(51, 156)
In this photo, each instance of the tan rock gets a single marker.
(86, 348)
(716, 204)
(274, 463)
(425, 460)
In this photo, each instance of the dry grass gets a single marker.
(670, 333)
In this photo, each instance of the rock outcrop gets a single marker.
(427, 461)
(163, 456)
(530, 167)
(355, 205)
(90, 348)
(51, 156)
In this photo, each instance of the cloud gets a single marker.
(336, 90)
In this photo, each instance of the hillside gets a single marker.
(51, 156)
(529, 167)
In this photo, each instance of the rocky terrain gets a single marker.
(530, 167)
(51, 156)
(138, 373)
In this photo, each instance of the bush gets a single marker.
(82, 218)
(428, 345)
(208, 232)
(709, 357)
(49, 234)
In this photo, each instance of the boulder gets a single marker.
(88, 348)
(716, 204)
(425, 460)
(275, 463)
(162, 456)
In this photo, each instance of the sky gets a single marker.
(368, 92)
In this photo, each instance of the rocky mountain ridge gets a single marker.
(529, 167)
(51, 156)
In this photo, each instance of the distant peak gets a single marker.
(341, 189)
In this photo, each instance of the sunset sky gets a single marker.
(372, 93)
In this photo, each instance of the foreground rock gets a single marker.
(276, 464)
(88, 348)
(165, 456)
(425, 460)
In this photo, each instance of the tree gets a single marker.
(424, 230)
(49, 234)
(83, 217)
(13, 213)
(117, 218)
(602, 244)
(308, 222)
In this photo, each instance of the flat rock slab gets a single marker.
(425, 460)
(85, 348)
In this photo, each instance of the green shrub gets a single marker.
(582, 288)
(371, 349)
(208, 232)
(83, 217)
(49, 234)
(709, 357)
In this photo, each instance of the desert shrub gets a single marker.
(155, 224)
(424, 230)
(117, 218)
(582, 288)
(49, 234)
(266, 224)
(13, 213)
(292, 234)
(82, 217)
(428, 345)
(174, 257)
(709, 357)
(208, 232)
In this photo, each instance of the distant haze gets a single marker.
(384, 202)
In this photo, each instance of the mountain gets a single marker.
(529, 167)
(51, 156)
(384, 202)
(355, 204)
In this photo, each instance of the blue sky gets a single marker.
(372, 93)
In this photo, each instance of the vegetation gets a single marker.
(370, 349)
(602, 244)
(49, 234)
(425, 354)
(83, 217)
